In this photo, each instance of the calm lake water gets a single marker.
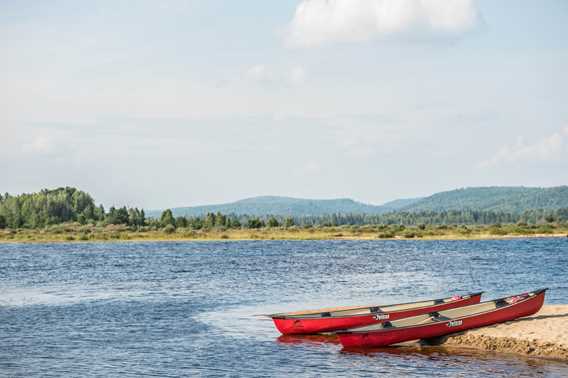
(186, 309)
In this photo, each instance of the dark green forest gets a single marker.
(66, 205)
(62, 205)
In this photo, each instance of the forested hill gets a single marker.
(49, 207)
(514, 200)
(284, 206)
(504, 199)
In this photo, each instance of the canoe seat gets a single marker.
(436, 317)
(374, 309)
(439, 301)
(501, 303)
(326, 314)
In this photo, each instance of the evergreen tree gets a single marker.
(289, 222)
(273, 222)
(255, 223)
(167, 218)
(181, 222)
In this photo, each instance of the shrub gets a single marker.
(409, 235)
(190, 234)
(465, 230)
(169, 229)
(497, 231)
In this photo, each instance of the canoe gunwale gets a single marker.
(531, 296)
(308, 315)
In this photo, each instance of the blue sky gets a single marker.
(176, 103)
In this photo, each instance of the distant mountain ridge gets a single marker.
(505, 199)
(284, 206)
(495, 198)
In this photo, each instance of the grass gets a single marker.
(73, 232)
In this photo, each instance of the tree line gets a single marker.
(454, 217)
(63, 205)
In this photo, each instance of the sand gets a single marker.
(544, 334)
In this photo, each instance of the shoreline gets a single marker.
(100, 232)
(543, 335)
(37, 238)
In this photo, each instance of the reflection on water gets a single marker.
(171, 309)
(309, 339)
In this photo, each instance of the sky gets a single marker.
(175, 103)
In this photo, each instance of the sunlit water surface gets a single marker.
(187, 309)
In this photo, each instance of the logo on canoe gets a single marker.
(381, 316)
(455, 323)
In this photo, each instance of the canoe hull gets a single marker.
(306, 326)
(374, 339)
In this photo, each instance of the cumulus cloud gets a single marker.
(263, 74)
(259, 73)
(298, 75)
(550, 148)
(40, 145)
(319, 22)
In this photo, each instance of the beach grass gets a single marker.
(74, 232)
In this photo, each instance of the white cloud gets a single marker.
(259, 73)
(40, 145)
(298, 75)
(551, 148)
(318, 22)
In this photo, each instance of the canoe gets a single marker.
(337, 318)
(440, 323)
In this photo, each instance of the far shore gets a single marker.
(78, 233)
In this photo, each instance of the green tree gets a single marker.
(255, 223)
(167, 218)
(181, 222)
(289, 222)
(273, 222)
(220, 220)
(209, 221)
(136, 217)
(235, 223)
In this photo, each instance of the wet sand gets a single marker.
(544, 334)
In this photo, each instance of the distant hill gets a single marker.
(285, 206)
(506, 199)
(399, 204)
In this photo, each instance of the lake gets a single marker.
(187, 308)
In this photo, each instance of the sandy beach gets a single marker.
(544, 334)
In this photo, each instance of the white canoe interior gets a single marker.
(365, 310)
(445, 315)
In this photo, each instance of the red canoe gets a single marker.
(333, 319)
(441, 323)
